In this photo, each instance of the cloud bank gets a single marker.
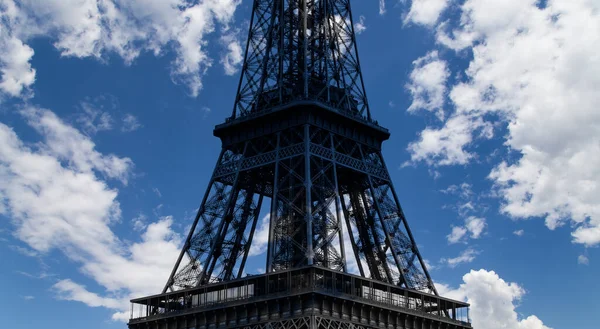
(532, 82)
(125, 28)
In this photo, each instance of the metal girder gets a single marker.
(301, 49)
(320, 182)
(319, 185)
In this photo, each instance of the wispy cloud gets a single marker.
(130, 123)
(360, 27)
(39, 187)
(467, 256)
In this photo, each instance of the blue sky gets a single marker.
(106, 148)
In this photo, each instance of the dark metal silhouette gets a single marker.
(301, 136)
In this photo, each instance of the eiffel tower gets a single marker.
(301, 136)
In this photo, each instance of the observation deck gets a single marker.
(308, 292)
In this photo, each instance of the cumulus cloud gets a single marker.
(426, 12)
(57, 195)
(582, 259)
(427, 84)
(458, 232)
(474, 226)
(96, 28)
(493, 301)
(534, 72)
(446, 145)
(17, 73)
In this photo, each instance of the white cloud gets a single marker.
(24, 251)
(130, 123)
(360, 27)
(233, 58)
(426, 12)
(69, 290)
(582, 259)
(95, 115)
(534, 71)
(351, 261)
(66, 143)
(96, 28)
(16, 71)
(429, 266)
(206, 111)
(94, 119)
(57, 201)
(458, 232)
(519, 232)
(139, 222)
(493, 301)
(467, 256)
(475, 226)
(427, 84)
(381, 7)
(446, 145)
(464, 190)
(260, 240)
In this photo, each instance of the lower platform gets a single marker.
(310, 297)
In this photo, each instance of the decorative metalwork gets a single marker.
(319, 184)
(301, 138)
(301, 49)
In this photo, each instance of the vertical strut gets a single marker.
(352, 240)
(310, 254)
(250, 237)
(388, 241)
(274, 205)
(337, 206)
(382, 259)
(186, 245)
(216, 245)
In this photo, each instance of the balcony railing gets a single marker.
(297, 282)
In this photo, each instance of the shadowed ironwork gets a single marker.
(300, 140)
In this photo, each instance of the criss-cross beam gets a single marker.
(301, 135)
(301, 49)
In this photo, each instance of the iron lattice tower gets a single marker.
(300, 135)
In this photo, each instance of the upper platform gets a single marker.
(301, 112)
